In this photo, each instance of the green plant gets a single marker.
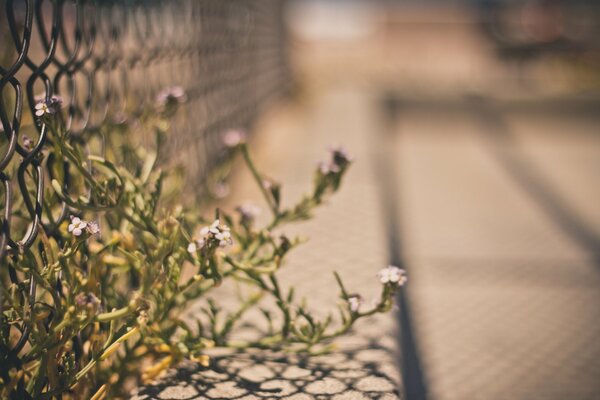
(113, 279)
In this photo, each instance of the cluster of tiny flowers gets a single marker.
(78, 226)
(234, 137)
(327, 168)
(393, 275)
(339, 160)
(216, 233)
(170, 95)
(248, 212)
(47, 107)
(355, 301)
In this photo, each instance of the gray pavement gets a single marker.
(500, 237)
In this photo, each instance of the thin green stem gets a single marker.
(258, 179)
(115, 314)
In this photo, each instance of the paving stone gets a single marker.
(299, 396)
(351, 395)
(294, 372)
(256, 373)
(226, 390)
(178, 392)
(374, 384)
(326, 386)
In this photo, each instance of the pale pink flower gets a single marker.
(173, 94)
(234, 137)
(393, 275)
(77, 226)
(354, 302)
(93, 228)
(248, 211)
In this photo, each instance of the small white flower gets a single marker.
(214, 227)
(48, 107)
(355, 301)
(192, 248)
(28, 143)
(42, 109)
(77, 226)
(234, 137)
(223, 235)
(392, 274)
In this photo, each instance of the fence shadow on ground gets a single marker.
(349, 374)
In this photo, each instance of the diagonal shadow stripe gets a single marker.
(532, 181)
(413, 377)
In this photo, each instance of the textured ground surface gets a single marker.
(492, 170)
(502, 241)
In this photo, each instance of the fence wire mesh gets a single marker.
(108, 60)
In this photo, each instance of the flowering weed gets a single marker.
(95, 306)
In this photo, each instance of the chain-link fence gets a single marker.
(108, 60)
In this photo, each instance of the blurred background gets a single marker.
(482, 119)
(445, 48)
